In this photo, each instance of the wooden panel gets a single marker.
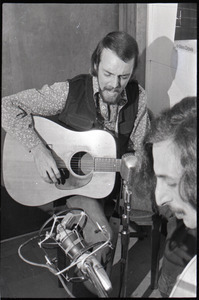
(132, 19)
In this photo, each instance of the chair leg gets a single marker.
(114, 222)
(140, 234)
(155, 252)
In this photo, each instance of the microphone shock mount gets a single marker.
(65, 230)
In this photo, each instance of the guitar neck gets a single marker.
(107, 164)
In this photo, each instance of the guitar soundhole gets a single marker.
(82, 163)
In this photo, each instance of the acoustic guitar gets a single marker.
(86, 160)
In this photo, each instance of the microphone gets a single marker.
(128, 164)
(65, 229)
(74, 246)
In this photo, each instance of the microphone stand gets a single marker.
(125, 235)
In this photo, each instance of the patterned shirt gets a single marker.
(18, 109)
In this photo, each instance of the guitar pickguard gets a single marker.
(73, 182)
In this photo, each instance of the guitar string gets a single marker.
(75, 162)
(87, 168)
(101, 164)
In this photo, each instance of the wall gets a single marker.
(133, 19)
(46, 43)
(170, 72)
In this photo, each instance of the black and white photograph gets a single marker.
(98, 150)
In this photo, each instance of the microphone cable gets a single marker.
(47, 266)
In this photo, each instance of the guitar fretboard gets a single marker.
(107, 164)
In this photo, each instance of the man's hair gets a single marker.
(177, 124)
(124, 45)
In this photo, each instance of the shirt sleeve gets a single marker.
(142, 123)
(18, 109)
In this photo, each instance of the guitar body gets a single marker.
(24, 183)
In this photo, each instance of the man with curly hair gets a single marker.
(170, 166)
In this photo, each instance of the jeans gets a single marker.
(95, 209)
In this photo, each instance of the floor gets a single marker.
(21, 280)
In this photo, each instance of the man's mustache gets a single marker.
(112, 90)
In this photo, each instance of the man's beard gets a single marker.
(110, 96)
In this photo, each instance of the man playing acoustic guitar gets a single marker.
(109, 99)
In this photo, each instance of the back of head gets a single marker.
(175, 123)
(124, 45)
(179, 125)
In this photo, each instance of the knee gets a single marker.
(90, 205)
(93, 207)
(79, 200)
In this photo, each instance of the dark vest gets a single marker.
(79, 112)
